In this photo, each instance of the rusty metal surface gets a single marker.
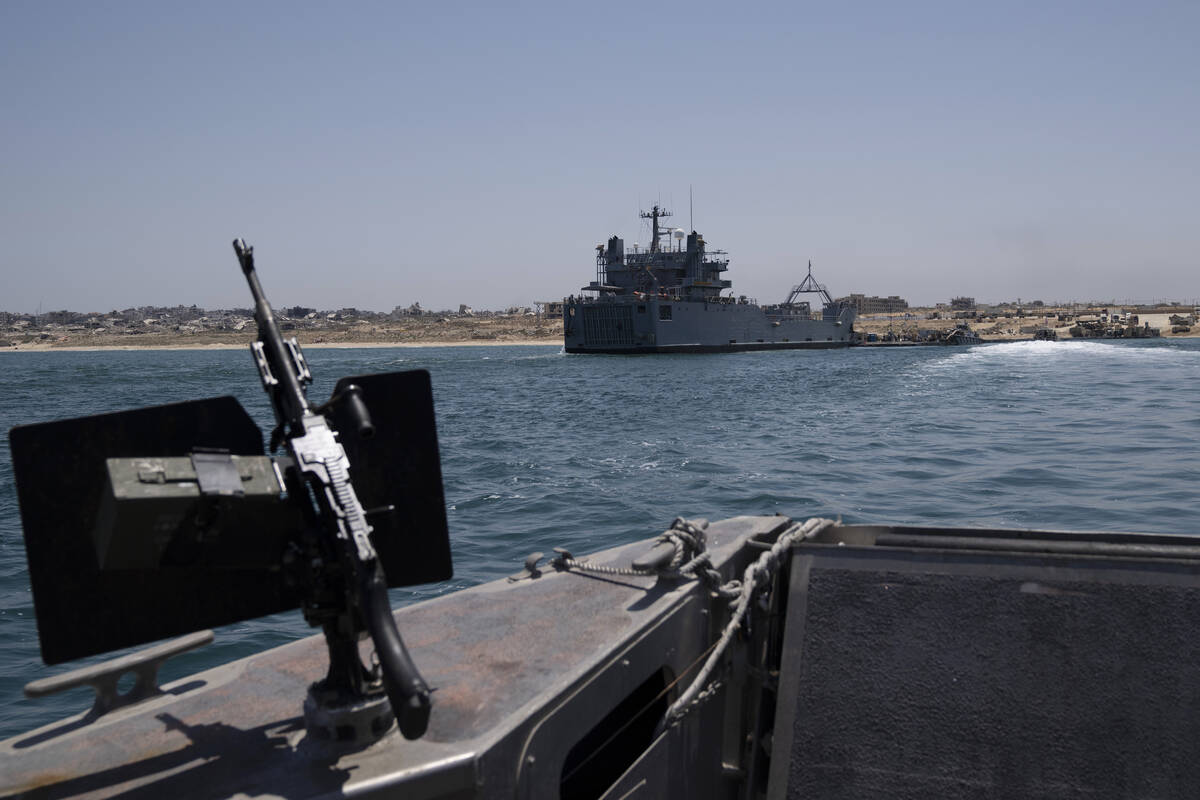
(498, 655)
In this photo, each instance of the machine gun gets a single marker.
(180, 522)
(347, 563)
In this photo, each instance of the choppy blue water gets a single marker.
(541, 449)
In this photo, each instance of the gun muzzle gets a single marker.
(245, 255)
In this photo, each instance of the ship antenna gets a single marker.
(653, 215)
(691, 211)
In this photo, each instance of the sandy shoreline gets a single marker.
(506, 332)
(41, 347)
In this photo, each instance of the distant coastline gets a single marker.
(185, 327)
(59, 347)
(192, 328)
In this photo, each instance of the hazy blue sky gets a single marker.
(381, 154)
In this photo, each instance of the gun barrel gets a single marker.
(290, 400)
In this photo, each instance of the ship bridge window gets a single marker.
(664, 312)
(642, 309)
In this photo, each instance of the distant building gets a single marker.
(414, 310)
(875, 305)
(962, 303)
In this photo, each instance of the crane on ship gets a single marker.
(808, 286)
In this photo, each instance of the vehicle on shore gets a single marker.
(962, 334)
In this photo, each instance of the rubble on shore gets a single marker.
(1017, 323)
(191, 326)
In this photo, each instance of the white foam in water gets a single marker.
(1075, 352)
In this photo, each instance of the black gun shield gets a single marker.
(399, 467)
(60, 475)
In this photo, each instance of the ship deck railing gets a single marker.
(641, 260)
(613, 297)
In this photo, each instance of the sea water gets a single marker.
(541, 449)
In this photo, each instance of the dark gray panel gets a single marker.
(946, 675)
(399, 468)
(60, 475)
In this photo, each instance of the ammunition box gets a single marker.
(164, 512)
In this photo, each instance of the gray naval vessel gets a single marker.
(755, 657)
(668, 299)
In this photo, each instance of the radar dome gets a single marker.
(679, 234)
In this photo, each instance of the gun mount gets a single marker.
(178, 521)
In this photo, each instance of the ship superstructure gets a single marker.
(667, 298)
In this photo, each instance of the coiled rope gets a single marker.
(691, 559)
(756, 576)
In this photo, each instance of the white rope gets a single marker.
(687, 538)
(756, 575)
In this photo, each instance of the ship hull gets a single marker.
(660, 325)
(702, 348)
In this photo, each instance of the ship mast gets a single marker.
(654, 215)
